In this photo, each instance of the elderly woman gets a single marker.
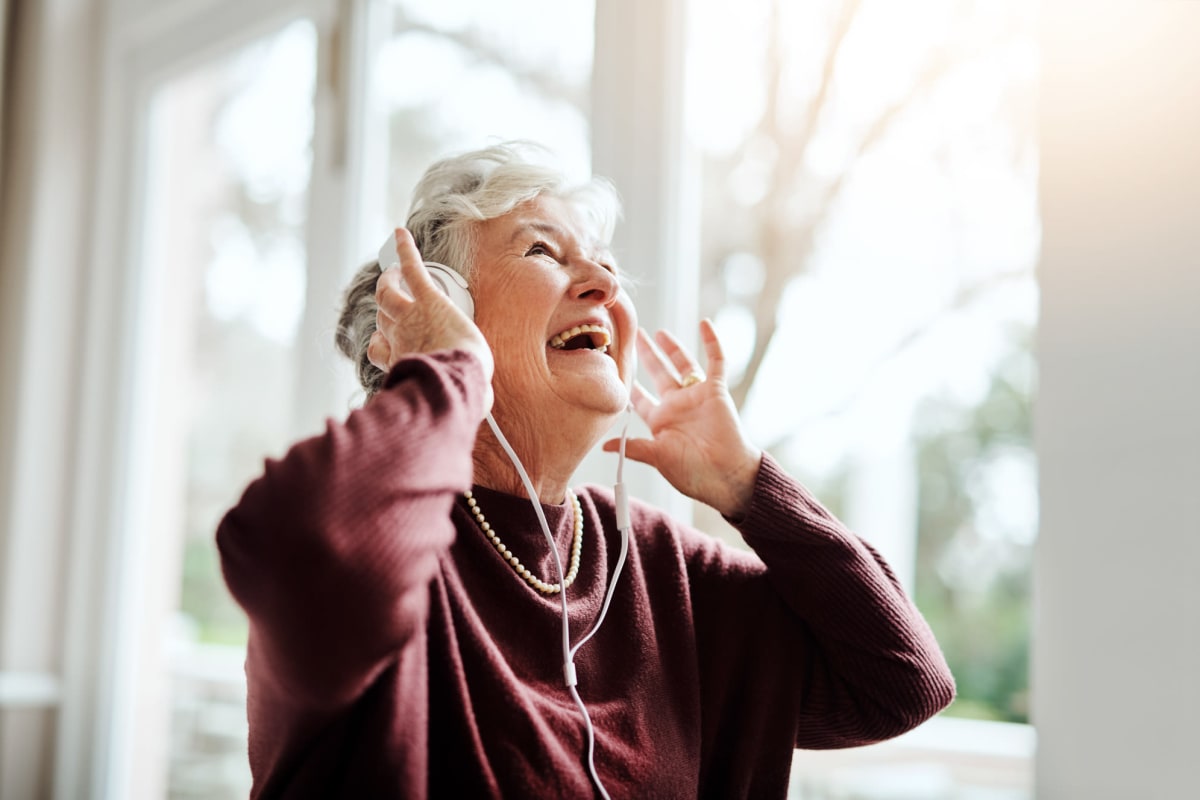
(406, 609)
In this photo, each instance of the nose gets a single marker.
(595, 282)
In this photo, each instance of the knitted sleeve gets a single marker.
(818, 633)
(330, 551)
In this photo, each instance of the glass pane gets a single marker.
(870, 229)
(227, 182)
(455, 76)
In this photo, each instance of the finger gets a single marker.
(680, 359)
(661, 372)
(640, 450)
(644, 403)
(714, 354)
(384, 322)
(379, 352)
(412, 267)
(390, 296)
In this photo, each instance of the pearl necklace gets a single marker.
(521, 569)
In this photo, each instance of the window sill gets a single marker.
(945, 758)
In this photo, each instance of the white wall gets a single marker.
(1117, 637)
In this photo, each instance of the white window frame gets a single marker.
(108, 553)
(638, 142)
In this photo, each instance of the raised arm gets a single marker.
(862, 662)
(818, 633)
(331, 550)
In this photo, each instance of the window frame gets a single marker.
(109, 554)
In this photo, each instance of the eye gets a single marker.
(539, 249)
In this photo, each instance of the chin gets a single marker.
(606, 402)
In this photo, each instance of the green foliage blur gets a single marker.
(205, 601)
(972, 584)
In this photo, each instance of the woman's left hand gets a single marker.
(698, 444)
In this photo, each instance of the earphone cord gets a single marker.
(541, 515)
(623, 525)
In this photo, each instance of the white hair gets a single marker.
(453, 196)
(458, 192)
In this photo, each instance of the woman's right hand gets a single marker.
(421, 319)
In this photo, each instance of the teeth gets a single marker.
(560, 339)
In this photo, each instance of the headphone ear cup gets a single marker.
(449, 281)
(454, 285)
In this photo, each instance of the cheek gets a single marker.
(516, 346)
(504, 325)
(512, 352)
(625, 319)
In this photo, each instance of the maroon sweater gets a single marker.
(394, 654)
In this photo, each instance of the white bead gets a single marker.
(523, 571)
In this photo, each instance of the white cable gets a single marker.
(591, 743)
(623, 525)
(568, 666)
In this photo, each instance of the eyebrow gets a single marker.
(546, 228)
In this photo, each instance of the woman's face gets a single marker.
(540, 276)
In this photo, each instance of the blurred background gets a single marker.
(925, 231)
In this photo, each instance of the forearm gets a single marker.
(877, 669)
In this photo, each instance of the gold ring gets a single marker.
(691, 379)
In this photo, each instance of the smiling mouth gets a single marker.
(582, 337)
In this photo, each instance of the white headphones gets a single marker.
(449, 281)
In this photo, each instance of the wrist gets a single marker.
(741, 483)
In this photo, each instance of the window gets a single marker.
(227, 177)
(227, 204)
(882, 292)
(455, 76)
(869, 230)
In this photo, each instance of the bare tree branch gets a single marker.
(772, 225)
(484, 50)
(784, 263)
(817, 107)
